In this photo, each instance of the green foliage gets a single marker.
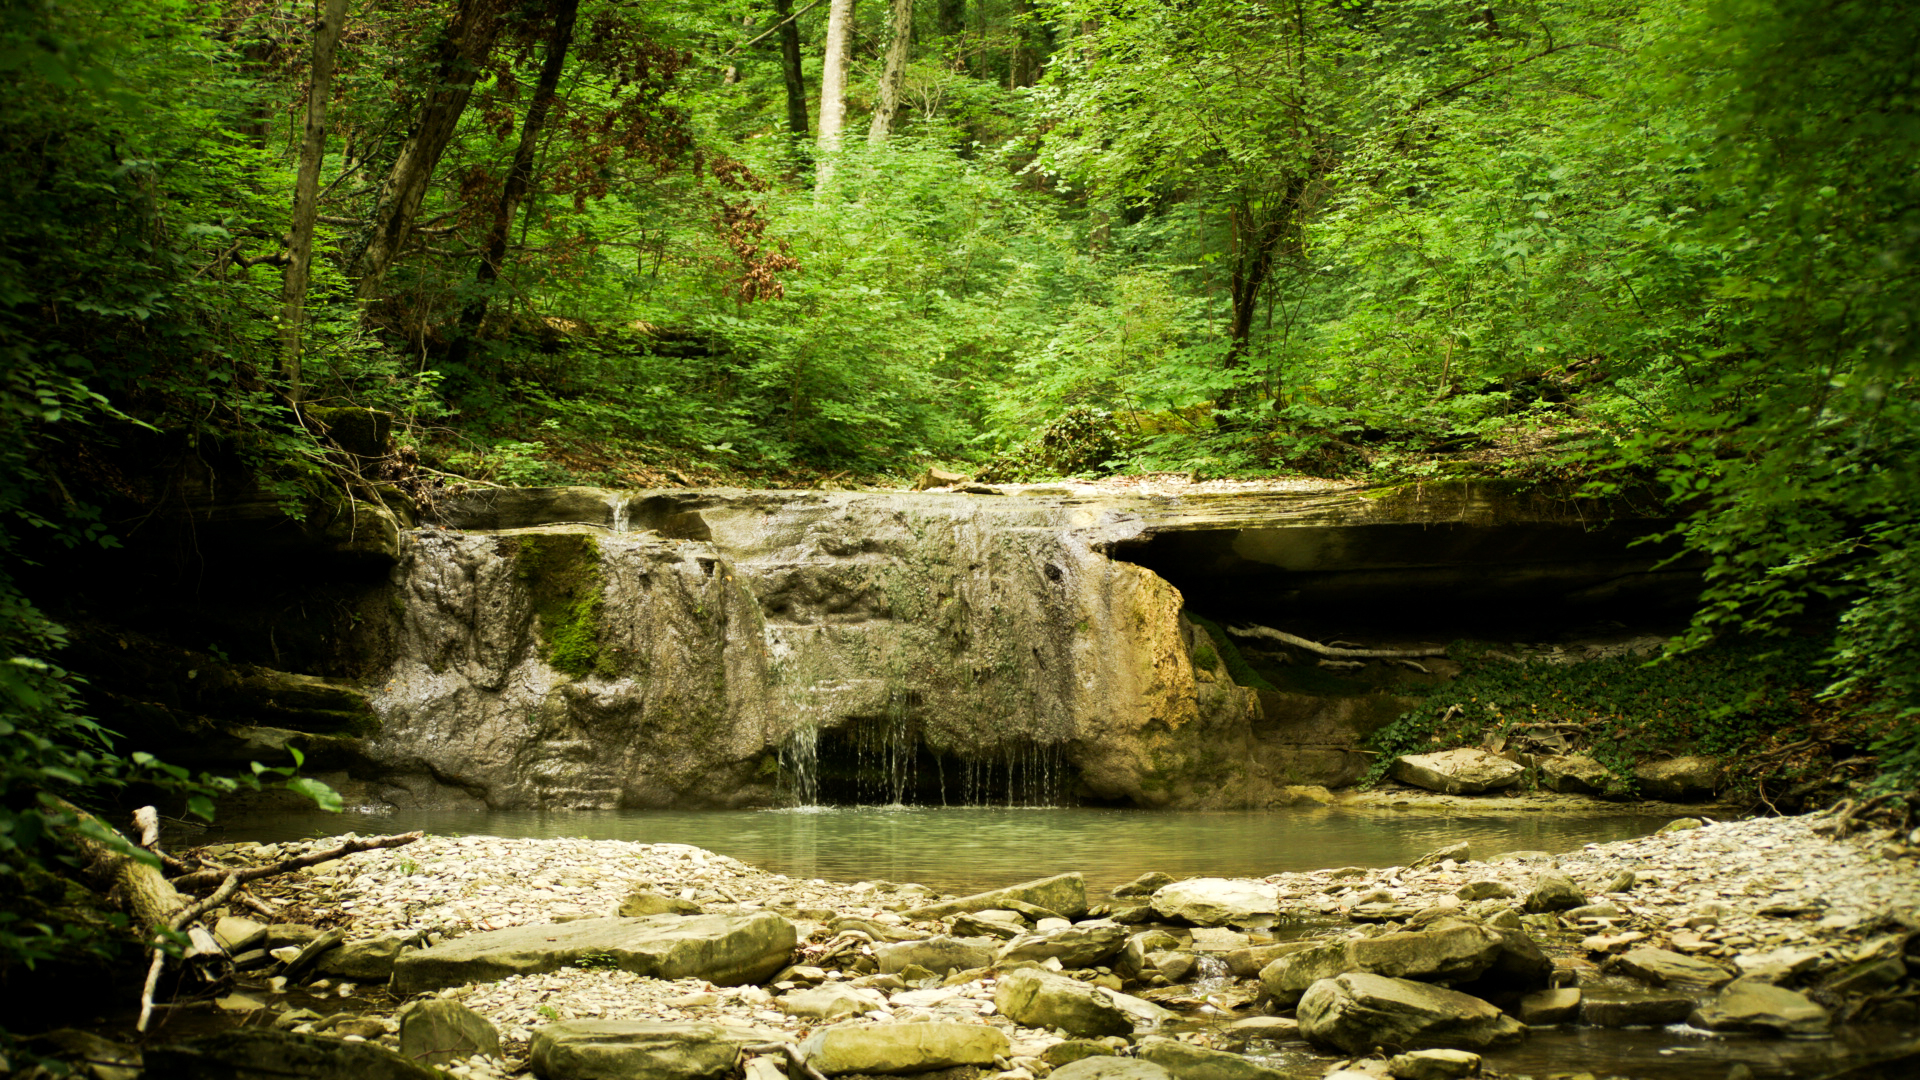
(1083, 441)
(1238, 668)
(1619, 710)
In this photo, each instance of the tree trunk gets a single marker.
(790, 68)
(462, 50)
(1257, 234)
(1024, 67)
(306, 193)
(893, 77)
(520, 172)
(833, 74)
(950, 17)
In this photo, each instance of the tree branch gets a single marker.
(1327, 650)
(1501, 70)
(205, 878)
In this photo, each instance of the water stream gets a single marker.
(968, 849)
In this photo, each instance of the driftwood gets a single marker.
(176, 924)
(793, 1053)
(1270, 634)
(202, 879)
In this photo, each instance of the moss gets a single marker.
(562, 574)
(1238, 669)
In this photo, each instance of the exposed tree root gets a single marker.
(1270, 634)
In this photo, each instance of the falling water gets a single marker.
(800, 761)
(618, 504)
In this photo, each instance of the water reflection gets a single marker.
(965, 849)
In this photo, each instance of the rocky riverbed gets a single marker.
(598, 959)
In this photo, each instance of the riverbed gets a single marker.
(970, 849)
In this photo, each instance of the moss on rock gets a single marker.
(563, 577)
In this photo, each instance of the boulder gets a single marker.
(1752, 1005)
(1358, 1011)
(1457, 772)
(1144, 885)
(831, 1001)
(1521, 963)
(1068, 1051)
(1777, 966)
(1239, 1034)
(437, 1031)
(1173, 964)
(1111, 1068)
(1577, 774)
(903, 1048)
(367, 959)
(1681, 779)
(1544, 1008)
(1246, 963)
(1062, 894)
(1040, 999)
(1633, 1008)
(1287, 978)
(1554, 892)
(1865, 976)
(1218, 902)
(939, 955)
(1452, 950)
(252, 1053)
(1433, 1065)
(641, 903)
(724, 949)
(1083, 945)
(1189, 1062)
(640, 1049)
(1664, 968)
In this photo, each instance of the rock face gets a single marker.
(640, 1048)
(1218, 902)
(603, 649)
(902, 1048)
(1356, 1012)
(724, 949)
(1457, 772)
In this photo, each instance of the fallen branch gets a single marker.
(793, 1054)
(175, 924)
(1269, 633)
(204, 878)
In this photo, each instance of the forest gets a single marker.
(1670, 248)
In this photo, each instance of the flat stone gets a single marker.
(1777, 966)
(439, 1031)
(640, 1049)
(724, 949)
(1111, 1068)
(1751, 1005)
(1593, 911)
(1662, 967)
(367, 959)
(1433, 1065)
(1633, 1008)
(1459, 853)
(1545, 1008)
(1218, 902)
(977, 925)
(1246, 963)
(251, 1053)
(1189, 1062)
(1038, 999)
(641, 903)
(1865, 976)
(1062, 894)
(1357, 1011)
(1483, 890)
(1457, 772)
(1082, 945)
(903, 1048)
(1240, 1033)
(832, 1001)
(939, 955)
(237, 935)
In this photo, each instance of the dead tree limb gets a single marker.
(205, 878)
(1270, 634)
(793, 1054)
(175, 924)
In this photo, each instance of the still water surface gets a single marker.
(971, 849)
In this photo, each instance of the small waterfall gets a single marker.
(800, 761)
(617, 502)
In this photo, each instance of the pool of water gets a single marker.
(971, 849)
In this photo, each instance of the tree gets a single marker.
(888, 106)
(306, 206)
(833, 78)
